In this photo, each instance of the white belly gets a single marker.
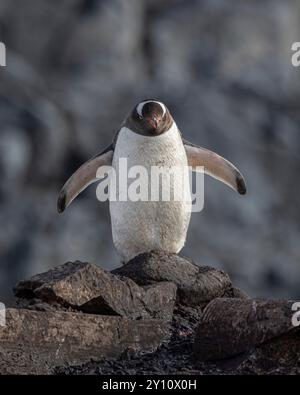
(142, 226)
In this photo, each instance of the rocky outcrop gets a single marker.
(196, 284)
(35, 342)
(88, 288)
(159, 313)
(78, 310)
(229, 327)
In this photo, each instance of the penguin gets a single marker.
(150, 137)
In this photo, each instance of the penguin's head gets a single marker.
(149, 118)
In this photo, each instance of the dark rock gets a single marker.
(196, 284)
(174, 356)
(282, 351)
(89, 288)
(35, 342)
(230, 327)
(277, 356)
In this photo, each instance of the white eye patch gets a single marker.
(140, 106)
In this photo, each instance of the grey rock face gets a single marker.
(230, 327)
(224, 70)
(90, 289)
(36, 342)
(196, 284)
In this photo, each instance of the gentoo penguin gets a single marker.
(150, 137)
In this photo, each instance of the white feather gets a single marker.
(147, 225)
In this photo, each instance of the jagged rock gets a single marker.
(230, 327)
(89, 288)
(196, 284)
(35, 342)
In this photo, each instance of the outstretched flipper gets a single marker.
(215, 166)
(83, 177)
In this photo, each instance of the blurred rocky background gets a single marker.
(76, 67)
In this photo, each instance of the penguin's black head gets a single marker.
(149, 118)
